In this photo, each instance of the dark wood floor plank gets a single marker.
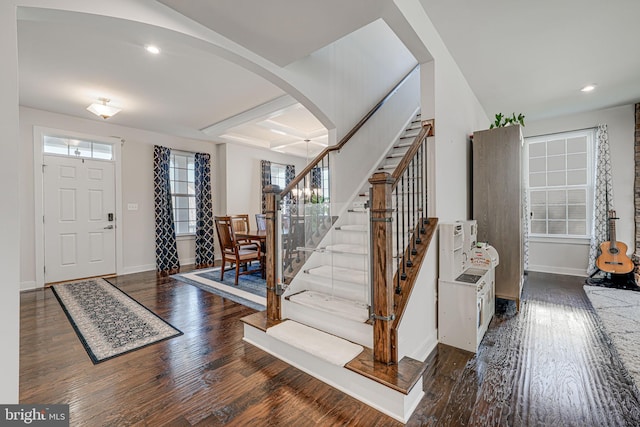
(551, 364)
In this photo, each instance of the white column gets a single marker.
(9, 212)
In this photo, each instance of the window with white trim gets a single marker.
(74, 147)
(183, 192)
(278, 175)
(559, 170)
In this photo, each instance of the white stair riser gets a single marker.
(359, 333)
(352, 291)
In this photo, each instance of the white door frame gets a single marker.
(38, 142)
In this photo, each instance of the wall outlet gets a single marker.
(132, 206)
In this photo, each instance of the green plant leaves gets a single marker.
(502, 120)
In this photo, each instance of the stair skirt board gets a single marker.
(386, 400)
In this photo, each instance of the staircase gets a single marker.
(331, 293)
(327, 328)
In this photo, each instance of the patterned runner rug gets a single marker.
(251, 290)
(109, 322)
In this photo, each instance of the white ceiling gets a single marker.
(529, 57)
(534, 56)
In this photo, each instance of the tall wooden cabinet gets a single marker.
(497, 203)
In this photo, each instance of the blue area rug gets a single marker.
(109, 322)
(251, 290)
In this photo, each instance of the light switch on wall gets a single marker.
(132, 206)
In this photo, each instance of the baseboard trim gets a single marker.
(138, 268)
(557, 270)
(28, 286)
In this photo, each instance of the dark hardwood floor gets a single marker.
(549, 365)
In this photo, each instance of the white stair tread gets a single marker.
(320, 344)
(347, 248)
(340, 273)
(341, 307)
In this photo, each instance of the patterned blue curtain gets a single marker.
(166, 247)
(265, 167)
(204, 212)
(603, 197)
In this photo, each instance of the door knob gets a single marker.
(109, 227)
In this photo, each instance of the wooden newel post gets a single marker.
(272, 193)
(384, 349)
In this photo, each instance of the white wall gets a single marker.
(243, 177)
(137, 178)
(10, 214)
(358, 158)
(457, 115)
(571, 257)
(347, 78)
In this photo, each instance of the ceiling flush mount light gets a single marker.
(588, 88)
(103, 110)
(152, 49)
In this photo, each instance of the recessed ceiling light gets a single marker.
(152, 49)
(588, 88)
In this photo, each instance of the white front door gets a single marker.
(79, 218)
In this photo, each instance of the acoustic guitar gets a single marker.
(613, 257)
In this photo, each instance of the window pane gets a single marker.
(537, 165)
(577, 161)
(577, 145)
(555, 147)
(577, 211)
(577, 177)
(577, 196)
(180, 187)
(557, 227)
(54, 145)
(182, 227)
(558, 183)
(79, 148)
(557, 212)
(539, 212)
(538, 197)
(578, 228)
(539, 227)
(538, 180)
(556, 197)
(556, 178)
(556, 163)
(182, 214)
(180, 161)
(182, 202)
(183, 189)
(537, 150)
(102, 151)
(181, 174)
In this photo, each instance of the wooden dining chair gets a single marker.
(234, 252)
(240, 223)
(261, 221)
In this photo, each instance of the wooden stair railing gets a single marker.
(406, 189)
(307, 178)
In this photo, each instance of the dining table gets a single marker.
(257, 235)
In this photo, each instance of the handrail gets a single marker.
(346, 138)
(427, 130)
